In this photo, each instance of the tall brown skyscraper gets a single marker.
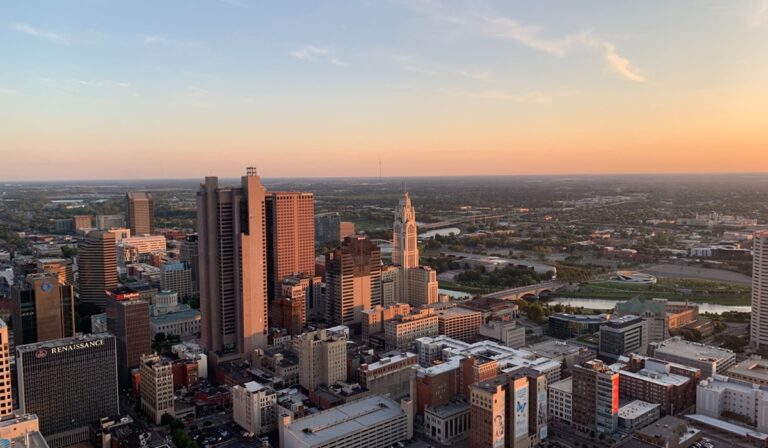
(43, 309)
(97, 267)
(128, 320)
(140, 212)
(232, 266)
(353, 281)
(290, 237)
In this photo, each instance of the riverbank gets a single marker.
(697, 291)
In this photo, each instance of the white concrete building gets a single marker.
(505, 332)
(253, 407)
(561, 400)
(372, 422)
(720, 394)
(322, 358)
(710, 360)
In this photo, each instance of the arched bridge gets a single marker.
(530, 291)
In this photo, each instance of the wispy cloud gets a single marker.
(477, 75)
(42, 34)
(759, 14)
(499, 95)
(8, 92)
(154, 39)
(484, 21)
(315, 53)
(73, 85)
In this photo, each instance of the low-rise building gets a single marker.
(505, 332)
(401, 332)
(670, 384)
(370, 422)
(253, 407)
(390, 376)
(669, 432)
(710, 360)
(561, 400)
(567, 326)
(448, 423)
(739, 400)
(623, 335)
(753, 370)
(637, 414)
(459, 323)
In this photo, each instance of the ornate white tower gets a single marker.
(405, 250)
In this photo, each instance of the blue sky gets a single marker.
(335, 85)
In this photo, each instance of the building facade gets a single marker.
(156, 387)
(290, 237)
(595, 397)
(43, 309)
(459, 323)
(758, 336)
(68, 383)
(140, 212)
(233, 263)
(254, 407)
(402, 331)
(353, 281)
(97, 267)
(322, 358)
(6, 398)
(405, 248)
(623, 335)
(128, 321)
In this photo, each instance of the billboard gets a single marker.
(498, 429)
(521, 412)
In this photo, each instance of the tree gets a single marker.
(535, 312)
(176, 423)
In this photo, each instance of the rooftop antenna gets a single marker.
(380, 181)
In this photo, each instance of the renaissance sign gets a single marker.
(77, 346)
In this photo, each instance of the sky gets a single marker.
(100, 89)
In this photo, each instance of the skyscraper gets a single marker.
(759, 320)
(232, 266)
(97, 267)
(69, 383)
(353, 281)
(290, 237)
(327, 227)
(128, 320)
(43, 309)
(6, 400)
(140, 212)
(405, 250)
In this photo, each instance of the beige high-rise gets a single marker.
(758, 338)
(97, 267)
(353, 281)
(140, 212)
(322, 358)
(6, 400)
(232, 266)
(290, 218)
(405, 249)
(156, 387)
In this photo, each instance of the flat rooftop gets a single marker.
(383, 362)
(456, 312)
(456, 406)
(653, 376)
(554, 348)
(755, 368)
(344, 420)
(63, 342)
(636, 408)
(565, 385)
(693, 350)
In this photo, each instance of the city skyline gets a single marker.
(209, 87)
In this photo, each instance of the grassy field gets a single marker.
(703, 291)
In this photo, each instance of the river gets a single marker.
(605, 304)
(454, 294)
(441, 232)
